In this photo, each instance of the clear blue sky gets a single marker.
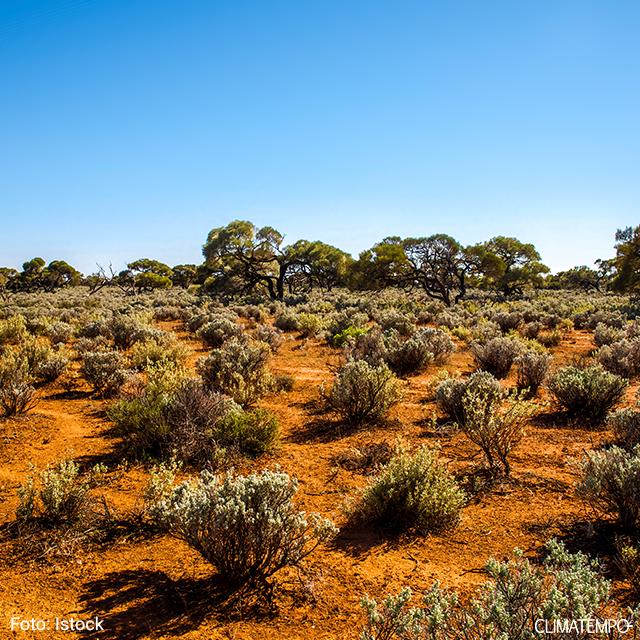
(132, 127)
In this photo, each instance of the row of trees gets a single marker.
(240, 258)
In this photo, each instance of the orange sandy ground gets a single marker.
(157, 587)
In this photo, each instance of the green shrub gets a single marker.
(496, 429)
(348, 335)
(495, 356)
(531, 368)
(105, 371)
(253, 433)
(247, 527)
(412, 492)
(507, 606)
(362, 393)
(625, 425)
(586, 394)
(408, 357)
(215, 333)
(309, 324)
(13, 330)
(152, 351)
(238, 369)
(62, 492)
(611, 484)
(450, 393)
(621, 358)
(17, 394)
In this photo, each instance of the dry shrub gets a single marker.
(495, 356)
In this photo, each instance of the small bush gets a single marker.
(63, 493)
(611, 484)
(152, 351)
(269, 335)
(347, 336)
(215, 333)
(238, 369)
(13, 330)
(105, 371)
(507, 606)
(247, 527)
(408, 357)
(412, 492)
(587, 394)
(495, 356)
(252, 433)
(625, 425)
(497, 430)
(17, 394)
(531, 368)
(309, 324)
(365, 458)
(363, 393)
(604, 334)
(450, 393)
(550, 339)
(127, 330)
(621, 358)
(195, 417)
(140, 418)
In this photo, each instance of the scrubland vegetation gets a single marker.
(282, 432)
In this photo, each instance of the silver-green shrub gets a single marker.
(247, 527)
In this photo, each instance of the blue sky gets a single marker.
(132, 127)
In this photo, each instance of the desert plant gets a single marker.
(62, 492)
(269, 335)
(611, 484)
(450, 393)
(531, 368)
(625, 425)
(496, 429)
(412, 492)
(549, 338)
(362, 393)
(17, 394)
(238, 369)
(195, 417)
(252, 433)
(510, 605)
(247, 527)
(408, 357)
(309, 324)
(215, 333)
(587, 393)
(621, 358)
(495, 356)
(105, 371)
(604, 334)
(152, 351)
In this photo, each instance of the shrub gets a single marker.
(238, 369)
(625, 425)
(611, 484)
(450, 393)
(252, 433)
(412, 492)
(247, 527)
(140, 419)
(17, 394)
(394, 320)
(507, 606)
(309, 324)
(587, 394)
(363, 393)
(105, 371)
(347, 336)
(621, 358)
(127, 330)
(439, 343)
(549, 338)
(269, 335)
(495, 356)
(604, 334)
(507, 321)
(497, 430)
(63, 494)
(217, 332)
(286, 321)
(531, 368)
(370, 347)
(194, 417)
(407, 357)
(531, 330)
(152, 351)
(13, 330)
(365, 458)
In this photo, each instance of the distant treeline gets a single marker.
(240, 258)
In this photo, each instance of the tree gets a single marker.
(508, 265)
(242, 258)
(384, 265)
(581, 277)
(184, 275)
(627, 260)
(58, 274)
(147, 274)
(7, 277)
